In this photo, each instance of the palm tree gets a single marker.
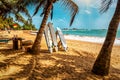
(102, 63)
(47, 9)
(11, 6)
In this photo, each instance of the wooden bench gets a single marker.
(4, 40)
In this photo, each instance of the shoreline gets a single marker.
(90, 39)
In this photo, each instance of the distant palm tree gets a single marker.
(102, 63)
(47, 9)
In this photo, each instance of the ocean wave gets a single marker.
(90, 39)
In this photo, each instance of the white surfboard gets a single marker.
(62, 39)
(48, 39)
(53, 36)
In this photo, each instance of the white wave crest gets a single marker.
(90, 39)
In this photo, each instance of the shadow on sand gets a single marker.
(50, 66)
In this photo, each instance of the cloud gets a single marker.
(61, 20)
(87, 11)
(85, 2)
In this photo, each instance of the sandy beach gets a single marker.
(75, 64)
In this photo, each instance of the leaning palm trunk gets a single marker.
(102, 63)
(37, 44)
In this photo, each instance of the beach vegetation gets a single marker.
(6, 22)
(28, 27)
(11, 7)
(102, 63)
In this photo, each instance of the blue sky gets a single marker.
(88, 17)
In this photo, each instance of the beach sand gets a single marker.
(75, 64)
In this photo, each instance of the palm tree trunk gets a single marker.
(37, 43)
(102, 63)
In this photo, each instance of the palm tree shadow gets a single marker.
(65, 67)
(72, 67)
(11, 56)
(9, 51)
(114, 72)
(44, 51)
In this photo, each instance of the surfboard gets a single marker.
(48, 39)
(53, 36)
(62, 39)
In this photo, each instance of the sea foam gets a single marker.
(89, 39)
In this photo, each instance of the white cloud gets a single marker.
(94, 6)
(88, 3)
(61, 20)
(85, 2)
(87, 11)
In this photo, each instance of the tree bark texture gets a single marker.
(37, 43)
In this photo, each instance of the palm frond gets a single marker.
(20, 18)
(42, 2)
(52, 12)
(72, 7)
(105, 5)
(38, 7)
(24, 10)
(27, 2)
(45, 7)
(5, 8)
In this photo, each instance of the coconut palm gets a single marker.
(11, 6)
(47, 9)
(102, 63)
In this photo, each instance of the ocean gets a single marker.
(93, 35)
(89, 33)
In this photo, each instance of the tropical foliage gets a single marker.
(28, 27)
(8, 7)
(6, 22)
(11, 6)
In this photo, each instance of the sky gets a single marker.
(88, 16)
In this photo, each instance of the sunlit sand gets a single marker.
(75, 64)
